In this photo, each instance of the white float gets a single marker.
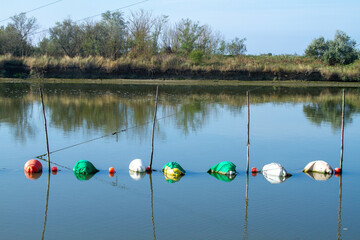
(318, 167)
(274, 169)
(137, 165)
(274, 173)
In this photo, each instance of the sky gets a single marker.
(277, 26)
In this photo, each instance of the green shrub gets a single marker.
(341, 50)
(196, 57)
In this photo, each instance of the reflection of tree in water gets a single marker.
(108, 108)
(15, 110)
(192, 116)
(329, 112)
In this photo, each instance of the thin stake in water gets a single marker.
(248, 133)
(45, 126)
(153, 128)
(342, 131)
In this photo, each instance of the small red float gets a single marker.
(337, 170)
(54, 169)
(254, 170)
(111, 170)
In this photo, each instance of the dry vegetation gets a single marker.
(39, 66)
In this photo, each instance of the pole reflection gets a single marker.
(46, 206)
(152, 205)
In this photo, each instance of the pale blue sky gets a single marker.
(277, 26)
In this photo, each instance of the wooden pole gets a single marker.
(342, 131)
(45, 126)
(153, 128)
(248, 133)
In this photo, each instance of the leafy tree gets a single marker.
(15, 38)
(69, 36)
(187, 34)
(48, 47)
(341, 50)
(222, 47)
(11, 42)
(94, 40)
(112, 34)
(140, 31)
(237, 46)
(159, 26)
(317, 48)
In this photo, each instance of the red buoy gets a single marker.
(254, 170)
(54, 169)
(33, 166)
(111, 170)
(337, 170)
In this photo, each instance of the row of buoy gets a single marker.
(173, 172)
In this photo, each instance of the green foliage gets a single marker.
(317, 48)
(110, 39)
(222, 47)
(49, 48)
(15, 38)
(68, 36)
(144, 34)
(341, 50)
(236, 46)
(187, 33)
(196, 57)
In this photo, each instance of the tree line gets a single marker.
(115, 36)
(142, 35)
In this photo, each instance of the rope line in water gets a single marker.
(94, 139)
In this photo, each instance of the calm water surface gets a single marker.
(198, 127)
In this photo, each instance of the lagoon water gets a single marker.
(198, 126)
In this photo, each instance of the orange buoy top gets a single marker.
(33, 166)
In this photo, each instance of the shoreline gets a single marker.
(287, 83)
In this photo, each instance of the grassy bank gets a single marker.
(174, 67)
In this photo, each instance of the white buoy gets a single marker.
(274, 173)
(137, 165)
(274, 169)
(318, 166)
